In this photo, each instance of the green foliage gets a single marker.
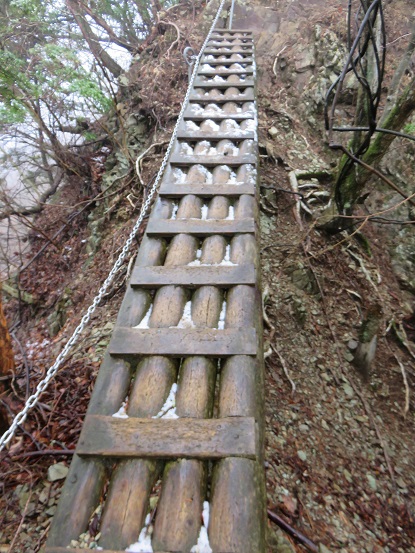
(90, 90)
(409, 128)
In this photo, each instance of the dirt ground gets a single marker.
(339, 448)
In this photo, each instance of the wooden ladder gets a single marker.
(192, 316)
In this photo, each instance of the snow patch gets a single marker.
(144, 321)
(168, 411)
(175, 210)
(143, 545)
(186, 149)
(191, 126)
(186, 320)
(231, 214)
(121, 413)
(210, 125)
(179, 176)
(203, 545)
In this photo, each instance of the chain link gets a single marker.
(43, 384)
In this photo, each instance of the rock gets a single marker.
(372, 482)
(302, 455)
(348, 476)
(273, 132)
(401, 483)
(323, 549)
(305, 61)
(58, 471)
(304, 428)
(348, 390)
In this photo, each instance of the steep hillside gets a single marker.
(339, 445)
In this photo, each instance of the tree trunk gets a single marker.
(6, 351)
(349, 190)
(93, 41)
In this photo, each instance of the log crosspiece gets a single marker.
(190, 323)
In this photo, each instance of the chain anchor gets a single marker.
(189, 57)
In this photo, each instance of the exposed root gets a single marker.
(284, 368)
(405, 382)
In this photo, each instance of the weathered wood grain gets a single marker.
(202, 83)
(244, 249)
(194, 276)
(198, 227)
(80, 496)
(212, 161)
(168, 439)
(207, 190)
(177, 342)
(237, 509)
(238, 393)
(168, 307)
(214, 250)
(182, 250)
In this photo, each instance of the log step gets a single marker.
(193, 277)
(189, 114)
(211, 161)
(212, 135)
(198, 227)
(209, 61)
(180, 342)
(224, 52)
(205, 190)
(201, 83)
(247, 97)
(183, 438)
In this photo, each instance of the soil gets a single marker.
(339, 447)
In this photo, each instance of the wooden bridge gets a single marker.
(186, 353)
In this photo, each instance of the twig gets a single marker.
(311, 546)
(178, 35)
(43, 452)
(284, 368)
(274, 65)
(25, 361)
(405, 382)
(140, 157)
(294, 185)
(21, 521)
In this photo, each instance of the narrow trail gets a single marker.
(175, 424)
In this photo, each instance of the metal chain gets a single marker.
(43, 384)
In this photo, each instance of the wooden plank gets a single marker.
(193, 277)
(217, 116)
(237, 507)
(77, 550)
(232, 31)
(226, 72)
(198, 227)
(212, 161)
(219, 135)
(179, 342)
(184, 438)
(226, 62)
(206, 190)
(223, 52)
(200, 83)
(247, 97)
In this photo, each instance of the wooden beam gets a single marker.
(168, 438)
(179, 342)
(205, 190)
(193, 277)
(213, 161)
(199, 227)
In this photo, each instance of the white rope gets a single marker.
(43, 384)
